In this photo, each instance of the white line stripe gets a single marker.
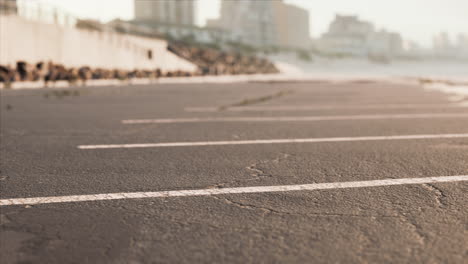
(320, 107)
(292, 118)
(271, 141)
(209, 192)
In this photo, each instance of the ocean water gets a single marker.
(450, 77)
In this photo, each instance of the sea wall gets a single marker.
(32, 41)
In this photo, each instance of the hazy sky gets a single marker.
(417, 20)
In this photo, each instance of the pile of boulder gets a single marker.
(52, 72)
(209, 61)
(212, 61)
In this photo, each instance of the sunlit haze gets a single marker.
(416, 20)
(233, 131)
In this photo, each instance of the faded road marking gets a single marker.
(294, 118)
(322, 107)
(240, 190)
(272, 141)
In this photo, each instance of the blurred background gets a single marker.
(146, 38)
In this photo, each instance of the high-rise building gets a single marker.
(175, 12)
(463, 45)
(385, 43)
(348, 35)
(463, 40)
(252, 20)
(265, 23)
(441, 42)
(8, 7)
(292, 25)
(174, 20)
(444, 47)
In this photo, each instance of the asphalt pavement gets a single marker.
(342, 172)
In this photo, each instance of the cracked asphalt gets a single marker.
(41, 129)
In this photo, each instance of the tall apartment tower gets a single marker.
(253, 20)
(173, 12)
(8, 7)
(292, 25)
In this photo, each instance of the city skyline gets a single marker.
(437, 16)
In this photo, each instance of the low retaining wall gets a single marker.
(30, 41)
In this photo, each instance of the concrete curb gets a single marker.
(204, 79)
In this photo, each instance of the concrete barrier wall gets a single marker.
(32, 42)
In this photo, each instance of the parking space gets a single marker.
(252, 172)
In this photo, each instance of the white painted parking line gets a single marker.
(322, 107)
(239, 190)
(294, 118)
(271, 141)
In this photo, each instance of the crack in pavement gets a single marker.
(256, 100)
(267, 210)
(439, 194)
(257, 173)
(420, 236)
(4, 219)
